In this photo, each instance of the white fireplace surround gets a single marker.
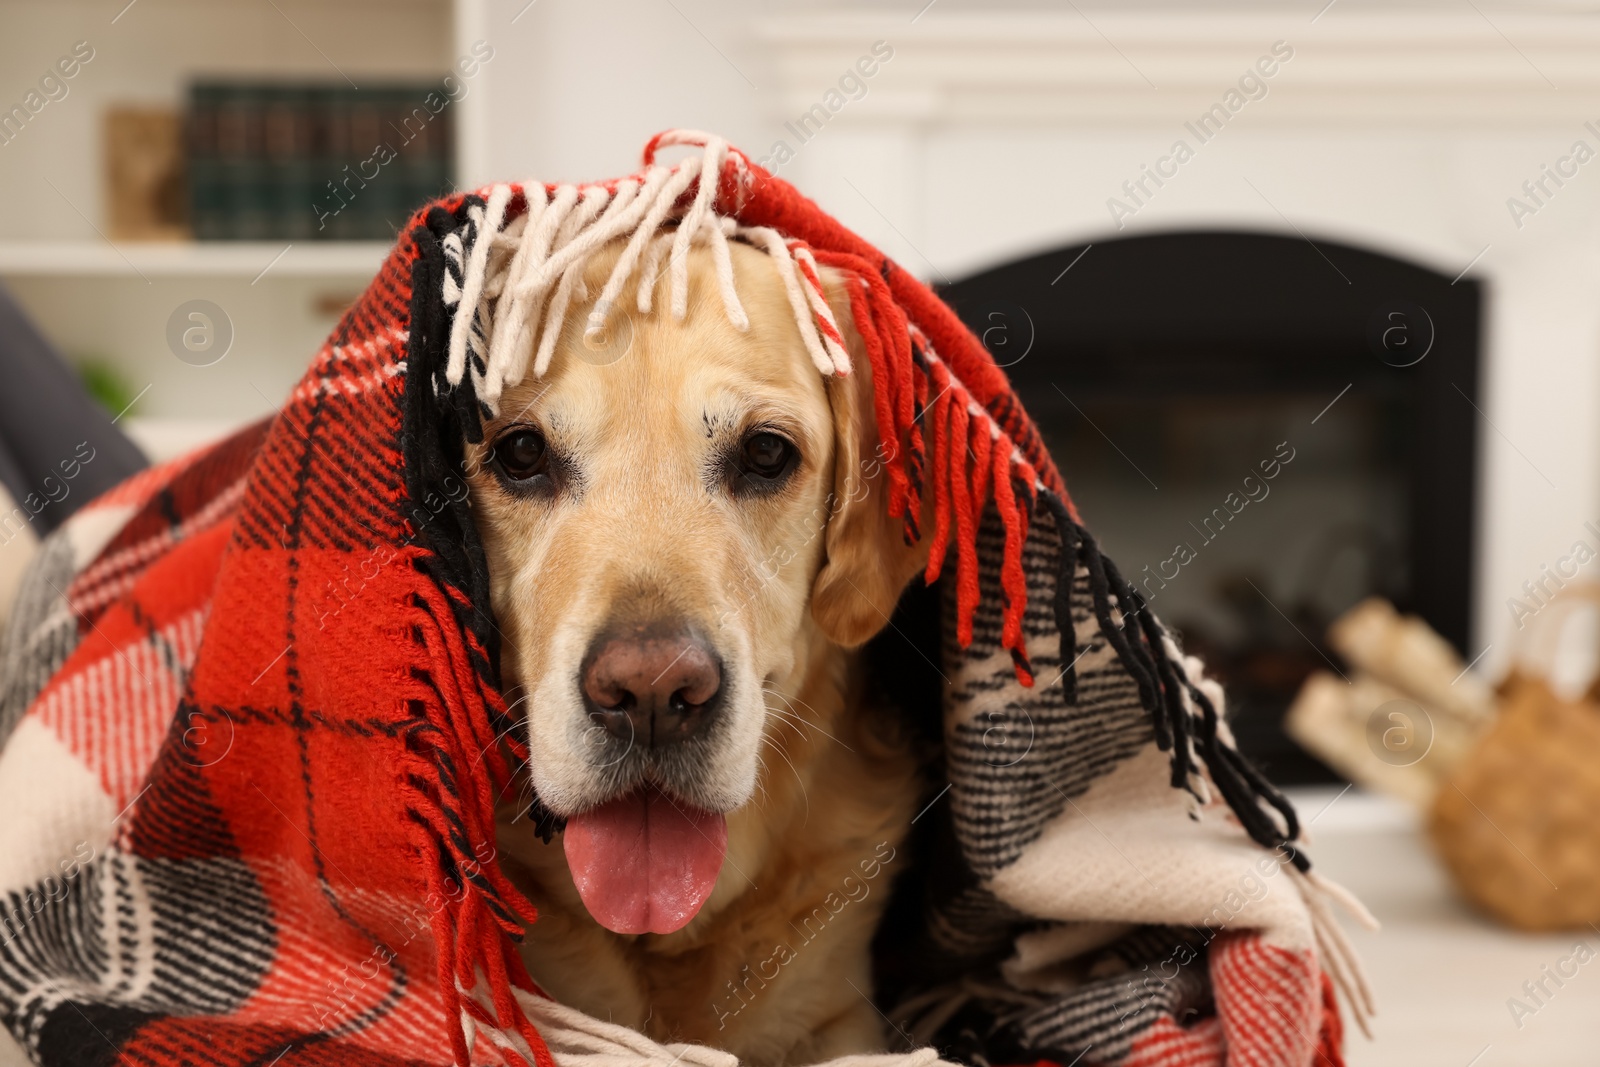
(994, 133)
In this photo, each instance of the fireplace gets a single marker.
(1262, 431)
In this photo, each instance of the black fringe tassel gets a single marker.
(438, 417)
(1140, 643)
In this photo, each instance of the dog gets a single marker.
(688, 544)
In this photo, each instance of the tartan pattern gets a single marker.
(1017, 761)
(260, 688)
(239, 668)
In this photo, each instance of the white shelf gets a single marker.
(245, 259)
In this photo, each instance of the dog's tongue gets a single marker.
(644, 864)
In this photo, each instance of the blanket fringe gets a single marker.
(579, 1040)
(1333, 945)
(454, 763)
(479, 914)
(1186, 718)
(526, 266)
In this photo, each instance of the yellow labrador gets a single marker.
(687, 542)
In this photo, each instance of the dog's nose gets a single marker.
(652, 685)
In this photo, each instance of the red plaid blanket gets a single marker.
(250, 706)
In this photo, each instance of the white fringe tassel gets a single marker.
(1334, 949)
(579, 1040)
(1337, 954)
(520, 279)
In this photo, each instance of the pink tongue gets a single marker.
(644, 863)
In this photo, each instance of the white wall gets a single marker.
(576, 89)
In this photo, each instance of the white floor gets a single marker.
(1442, 973)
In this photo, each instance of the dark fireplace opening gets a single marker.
(1262, 432)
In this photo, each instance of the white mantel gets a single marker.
(1123, 69)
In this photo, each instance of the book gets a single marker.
(312, 161)
(144, 174)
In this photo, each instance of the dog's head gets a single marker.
(675, 517)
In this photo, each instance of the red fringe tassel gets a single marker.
(477, 920)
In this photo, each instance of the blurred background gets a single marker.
(1302, 293)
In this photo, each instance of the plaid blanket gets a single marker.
(250, 702)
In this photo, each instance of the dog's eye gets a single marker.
(767, 455)
(521, 454)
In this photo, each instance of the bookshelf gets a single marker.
(109, 302)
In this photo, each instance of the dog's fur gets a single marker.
(819, 789)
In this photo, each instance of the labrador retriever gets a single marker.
(688, 545)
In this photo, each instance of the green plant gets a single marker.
(107, 384)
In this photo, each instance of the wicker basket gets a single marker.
(1517, 822)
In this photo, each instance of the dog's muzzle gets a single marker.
(646, 860)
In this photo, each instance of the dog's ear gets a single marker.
(867, 563)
